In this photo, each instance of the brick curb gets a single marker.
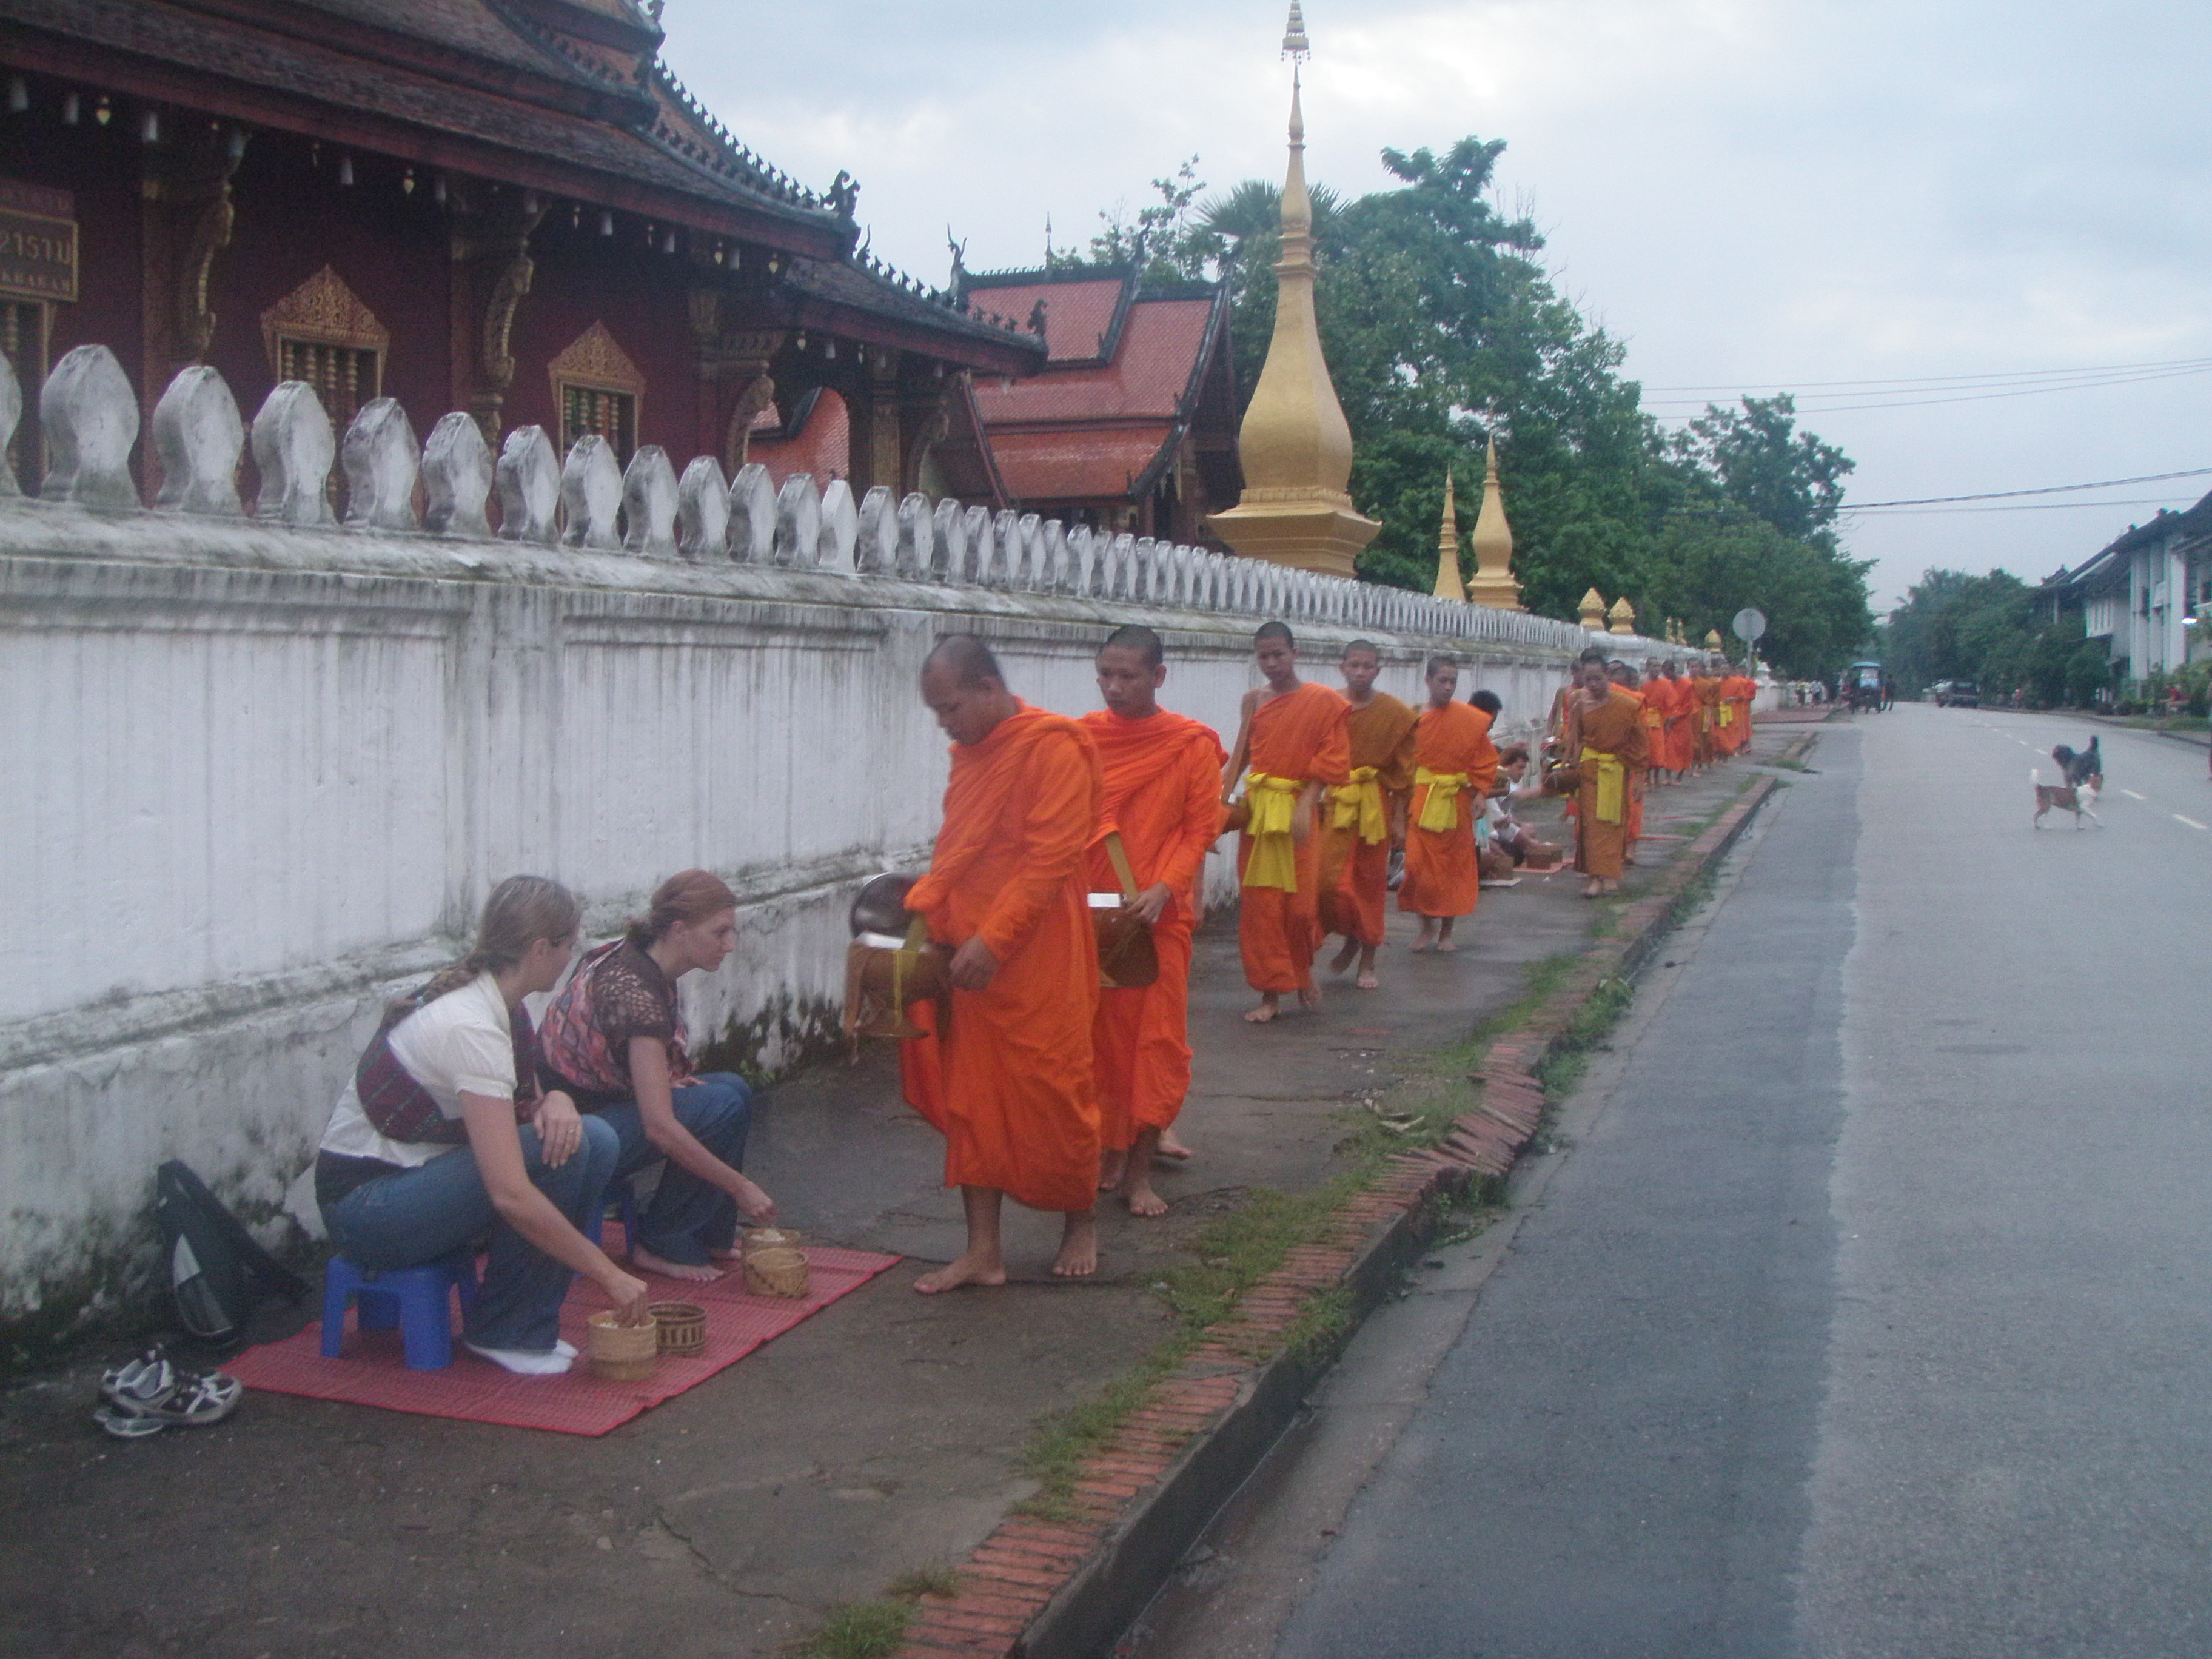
(1066, 1590)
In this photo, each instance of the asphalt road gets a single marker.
(1870, 1313)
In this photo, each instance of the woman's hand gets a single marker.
(629, 1293)
(560, 1128)
(755, 1206)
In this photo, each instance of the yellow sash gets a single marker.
(1440, 809)
(1611, 784)
(1274, 861)
(1727, 713)
(1359, 804)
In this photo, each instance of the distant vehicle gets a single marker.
(1862, 686)
(1957, 694)
(1935, 692)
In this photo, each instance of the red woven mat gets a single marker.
(372, 1370)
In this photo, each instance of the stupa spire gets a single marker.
(1493, 583)
(1448, 584)
(1295, 444)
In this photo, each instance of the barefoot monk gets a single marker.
(1295, 744)
(1604, 747)
(1163, 774)
(1365, 816)
(1454, 765)
(1009, 1082)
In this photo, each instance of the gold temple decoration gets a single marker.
(1449, 585)
(1593, 611)
(1624, 617)
(1712, 639)
(1295, 444)
(1493, 583)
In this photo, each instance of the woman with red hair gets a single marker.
(614, 1037)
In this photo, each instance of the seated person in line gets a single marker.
(1511, 844)
(442, 1137)
(614, 1037)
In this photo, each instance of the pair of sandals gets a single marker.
(149, 1394)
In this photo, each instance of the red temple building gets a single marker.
(1131, 424)
(510, 207)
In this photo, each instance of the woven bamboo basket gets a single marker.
(774, 1265)
(620, 1352)
(683, 1326)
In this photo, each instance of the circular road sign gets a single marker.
(1748, 625)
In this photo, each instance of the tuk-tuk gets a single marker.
(1863, 687)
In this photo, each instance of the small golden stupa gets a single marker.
(1624, 617)
(1592, 611)
(1448, 584)
(1295, 444)
(1493, 583)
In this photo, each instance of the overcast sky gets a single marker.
(1753, 195)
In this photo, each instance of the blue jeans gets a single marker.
(413, 1217)
(688, 1218)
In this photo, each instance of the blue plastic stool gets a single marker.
(418, 1300)
(622, 1192)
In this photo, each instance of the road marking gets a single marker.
(2131, 795)
(2191, 822)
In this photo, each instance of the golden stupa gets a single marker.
(1295, 444)
(1493, 583)
(1448, 584)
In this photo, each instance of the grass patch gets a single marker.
(1563, 1068)
(858, 1630)
(926, 1581)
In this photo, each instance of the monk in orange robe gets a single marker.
(1605, 744)
(1163, 774)
(1008, 1078)
(1295, 740)
(1737, 689)
(1624, 678)
(1678, 723)
(1454, 763)
(1704, 714)
(1658, 725)
(1364, 817)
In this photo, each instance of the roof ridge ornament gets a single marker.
(1295, 46)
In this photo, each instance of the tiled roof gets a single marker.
(413, 76)
(883, 292)
(1078, 316)
(1159, 352)
(1077, 462)
(820, 447)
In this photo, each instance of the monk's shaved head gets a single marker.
(1368, 646)
(1135, 636)
(967, 658)
(1274, 630)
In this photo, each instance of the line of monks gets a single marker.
(1050, 1089)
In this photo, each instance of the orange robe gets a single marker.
(1300, 737)
(1677, 750)
(1637, 779)
(1656, 701)
(1737, 692)
(1443, 876)
(1614, 730)
(1008, 1080)
(1704, 717)
(1164, 793)
(1355, 869)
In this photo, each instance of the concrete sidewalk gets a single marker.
(883, 1437)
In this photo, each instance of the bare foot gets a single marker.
(1078, 1248)
(1424, 943)
(1270, 1005)
(1342, 959)
(646, 1262)
(1367, 981)
(1111, 1166)
(1169, 1148)
(969, 1269)
(1592, 888)
(1140, 1198)
(1447, 944)
(1309, 996)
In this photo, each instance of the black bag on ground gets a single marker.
(217, 1274)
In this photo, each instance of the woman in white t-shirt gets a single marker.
(452, 1071)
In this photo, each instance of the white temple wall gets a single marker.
(263, 776)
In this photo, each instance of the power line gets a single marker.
(2090, 383)
(2046, 489)
(1945, 380)
(2023, 507)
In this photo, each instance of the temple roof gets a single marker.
(1124, 374)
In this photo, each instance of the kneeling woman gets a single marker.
(614, 1037)
(443, 1137)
